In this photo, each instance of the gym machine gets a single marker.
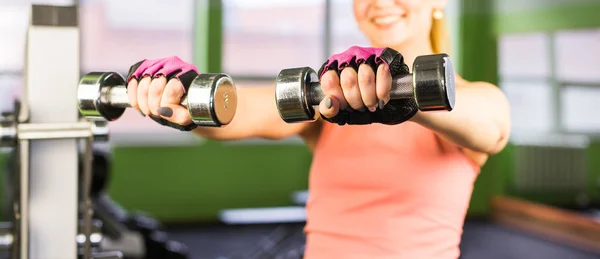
(58, 207)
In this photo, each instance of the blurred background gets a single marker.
(543, 54)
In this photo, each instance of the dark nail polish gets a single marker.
(165, 112)
(141, 113)
(381, 104)
(328, 102)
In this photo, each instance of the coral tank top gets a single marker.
(382, 192)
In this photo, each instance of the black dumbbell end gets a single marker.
(434, 82)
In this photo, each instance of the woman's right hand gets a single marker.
(155, 88)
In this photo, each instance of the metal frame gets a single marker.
(46, 131)
(45, 127)
(48, 198)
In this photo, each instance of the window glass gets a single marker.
(579, 111)
(525, 55)
(577, 54)
(531, 106)
(262, 37)
(114, 35)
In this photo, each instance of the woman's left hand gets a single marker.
(357, 85)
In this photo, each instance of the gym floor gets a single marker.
(481, 239)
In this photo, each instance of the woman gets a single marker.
(397, 186)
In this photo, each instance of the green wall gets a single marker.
(478, 46)
(518, 16)
(208, 178)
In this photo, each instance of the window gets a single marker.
(13, 24)
(525, 73)
(263, 37)
(530, 100)
(577, 67)
(552, 81)
(114, 35)
(580, 107)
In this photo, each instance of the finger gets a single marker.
(172, 93)
(366, 84)
(383, 84)
(171, 97)
(349, 83)
(329, 107)
(132, 94)
(330, 84)
(155, 92)
(175, 113)
(142, 94)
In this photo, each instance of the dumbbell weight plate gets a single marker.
(211, 99)
(291, 93)
(434, 82)
(92, 94)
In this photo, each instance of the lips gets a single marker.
(386, 20)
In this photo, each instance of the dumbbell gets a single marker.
(431, 83)
(211, 98)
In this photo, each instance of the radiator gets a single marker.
(550, 163)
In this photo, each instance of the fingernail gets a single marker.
(372, 109)
(165, 112)
(143, 115)
(381, 104)
(328, 102)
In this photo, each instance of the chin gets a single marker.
(385, 40)
(390, 36)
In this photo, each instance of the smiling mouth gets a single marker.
(384, 21)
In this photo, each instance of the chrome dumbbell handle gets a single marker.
(402, 88)
(116, 96)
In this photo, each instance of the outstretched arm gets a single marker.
(155, 88)
(256, 117)
(480, 120)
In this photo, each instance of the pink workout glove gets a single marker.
(395, 111)
(171, 67)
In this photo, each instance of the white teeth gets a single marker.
(386, 20)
